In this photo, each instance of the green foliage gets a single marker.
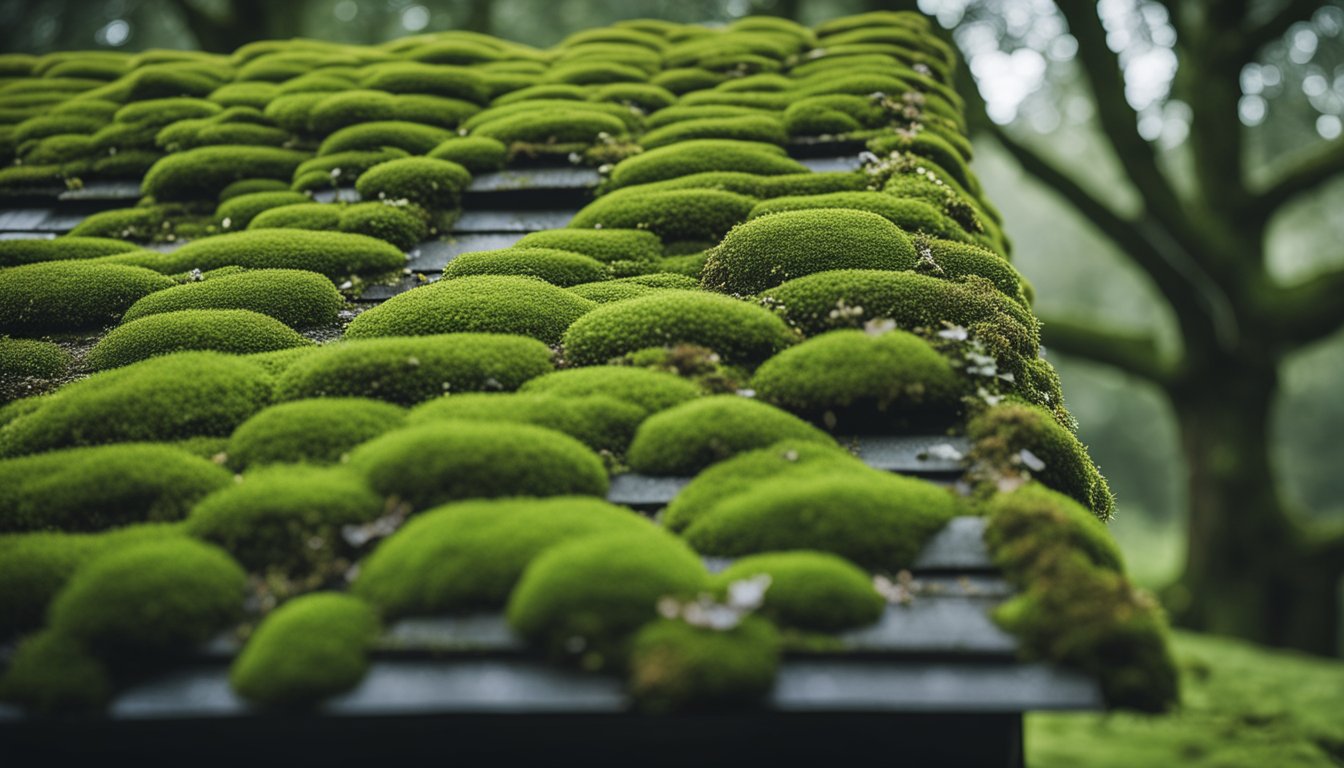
(352, 107)
(31, 250)
(554, 266)
(755, 127)
(414, 138)
(331, 170)
(56, 296)
(432, 184)
(236, 212)
(601, 422)
(552, 126)
(464, 459)
(478, 154)
(29, 357)
(650, 390)
(235, 331)
(676, 666)
(435, 80)
(912, 216)
(608, 245)
(302, 215)
(810, 590)
(685, 439)
(691, 214)
(51, 673)
(702, 155)
(295, 297)
(317, 431)
(200, 174)
(334, 254)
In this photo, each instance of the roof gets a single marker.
(369, 333)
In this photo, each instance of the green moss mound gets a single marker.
(286, 518)
(739, 332)
(90, 489)
(478, 154)
(235, 331)
(755, 127)
(650, 390)
(1031, 525)
(310, 648)
(608, 291)
(336, 168)
(432, 184)
(355, 106)
(464, 459)
(557, 267)
(29, 357)
(912, 216)
(687, 438)
(30, 250)
(409, 370)
(404, 226)
(252, 186)
(702, 155)
(437, 80)
(303, 215)
(486, 303)
(810, 590)
(200, 174)
(611, 246)
(160, 597)
(173, 397)
(334, 254)
(470, 554)
(877, 520)
(673, 215)
(295, 297)
(552, 126)
(591, 594)
(413, 138)
(51, 673)
(600, 422)
(237, 212)
(675, 666)
(764, 252)
(60, 296)
(857, 381)
(959, 259)
(318, 431)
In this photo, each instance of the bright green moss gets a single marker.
(679, 114)
(172, 397)
(587, 596)
(643, 96)
(931, 147)
(838, 114)
(552, 126)
(200, 174)
(880, 521)
(691, 214)
(470, 554)
(850, 380)
(1017, 439)
(157, 597)
(1028, 527)
(409, 370)
(90, 489)
(58, 296)
(295, 297)
(650, 390)
(312, 647)
(303, 215)
(237, 212)
(251, 186)
(486, 303)
(52, 124)
(739, 332)
(957, 259)
(687, 438)
(612, 246)
(291, 110)
(414, 138)
(688, 265)
(912, 216)
(161, 112)
(435, 80)
(31, 250)
(51, 673)
(251, 94)
(467, 459)
(235, 331)
(403, 226)
(317, 431)
(478, 154)
(593, 72)
(682, 80)
(332, 170)
(146, 222)
(351, 107)
(211, 131)
(810, 590)
(675, 666)
(569, 103)
(764, 252)
(434, 185)
(609, 291)
(773, 101)
(29, 357)
(287, 518)
(600, 422)
(702, 155)
(542, 92)
(757, 128)
(334, 254)
(554, 266)
(461, 52)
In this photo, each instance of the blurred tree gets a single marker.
(221, 27)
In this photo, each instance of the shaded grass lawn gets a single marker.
(1242, 705)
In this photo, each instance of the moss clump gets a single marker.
(310, 648)
(285, 518)
(409, 370)
(354, 106)
(912, 216)
(687, 438)
(956, 259)
(332, 170)
(600, 422)
(90, 489)
(486, 303)
(236, 331)
(737, 331)
(553, 126)
(200, 174)
(586, 597)
(32, 358)
(756, 127)
(469, 555)
(562, 268)
(702, 155)
(30, 250)
(1020, 440)
(432, 184)
(608, 291)
(401, 225)
(159, 597)
(59, 296)
(879, 521)
(252, 186)
(675, 666)
(304, 215)
(478, 154)
(607, 245)
(463, 459)
(436, 80)
(650, 390)
(673, 215)
(810, 590)
(318, 431)
(1029, 526)
(236, 212)
(765, 252)
(295, 297)
(51, 673)
(173, 397)
(853, 380)
(414, 138)
(682, 80)
(334, 254)
(555, 102)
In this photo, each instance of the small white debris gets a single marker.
(944, 452)
(954, 333)
(879, 326)
(748, 594)
(1030, 460)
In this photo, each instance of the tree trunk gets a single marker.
(1250, 570)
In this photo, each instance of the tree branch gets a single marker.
(1318, 167)
(1256, 37)
(1133, 353)
(1309, 310)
